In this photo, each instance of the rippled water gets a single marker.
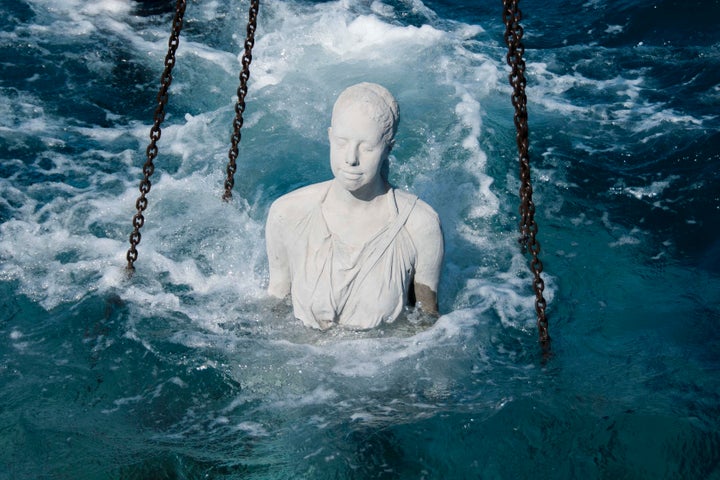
(188, 371)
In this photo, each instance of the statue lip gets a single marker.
(350, 174)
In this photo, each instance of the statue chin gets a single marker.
(350, 182)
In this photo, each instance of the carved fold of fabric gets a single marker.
(354, 287)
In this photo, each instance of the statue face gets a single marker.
(357, 148)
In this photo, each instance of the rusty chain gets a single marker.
(155, 133)
(528, 228)
(240, 105)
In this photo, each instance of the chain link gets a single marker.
(528, 228)
(240, 105)
(155, 133)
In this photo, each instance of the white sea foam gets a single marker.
(618, 102)
(78, 18)
(652, 191)
(548, 89)
(625, 240)
(254, 429)
(331, 33)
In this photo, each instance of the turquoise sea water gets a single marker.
(187, 371)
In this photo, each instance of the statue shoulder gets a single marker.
(423, 217)
(423, 227)
(298, 202)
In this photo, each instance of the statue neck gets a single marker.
(354, 219)
(367, 197)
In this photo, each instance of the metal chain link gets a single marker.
(155, 132)
(528, 228)
(240, 105)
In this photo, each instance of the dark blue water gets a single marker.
(188, 371)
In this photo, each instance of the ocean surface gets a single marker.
(188, 371)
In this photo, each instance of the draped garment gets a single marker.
(357, 287)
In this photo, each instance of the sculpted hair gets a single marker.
(376, 101)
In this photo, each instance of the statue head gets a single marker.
(362, 133)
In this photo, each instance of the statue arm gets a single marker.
(279, 284)
(428, 240)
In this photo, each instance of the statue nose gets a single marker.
(351, 157)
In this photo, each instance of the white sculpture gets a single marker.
(348, 250)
